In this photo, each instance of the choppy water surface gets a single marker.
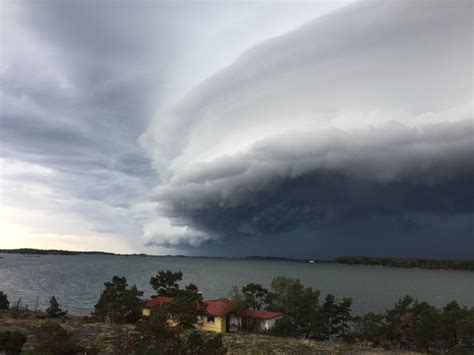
(77, 281)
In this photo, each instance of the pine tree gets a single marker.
(299, 305)
(343, 317)
(4, 303)
(119, 303)
(450, 318)
(328, 315)
(54, 311)
(166, 283)
(426, 325)
(255, 295)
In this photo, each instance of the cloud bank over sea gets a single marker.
(361, 117)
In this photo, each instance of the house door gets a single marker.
(227, 324)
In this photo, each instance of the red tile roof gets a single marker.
(158, 300)
(222, 307)
(253, 313)
(218, 308)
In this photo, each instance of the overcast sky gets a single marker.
(302, 129)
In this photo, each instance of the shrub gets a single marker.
(284, 327)
(200, 343)
(19, 311)
(461, 349)
(4, 303)
(154, 332)
(51, 338)
(11, 342)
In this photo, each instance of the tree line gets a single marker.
(407, 263)
(408, 325)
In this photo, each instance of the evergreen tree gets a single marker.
(187, 308)
(166, 283)
(4, 303)
(328, 315)
(466, 326)
(255, 295)
(299, 305)
(450, 318)
(343, 317)
(371, 327)
(119, 303)
(162, 331)
(399, 321)
(426, 325)
(54, 311)
(419, 326)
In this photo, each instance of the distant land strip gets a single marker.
(467, 265)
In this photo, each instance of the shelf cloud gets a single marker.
(363, 113)
(305, 129)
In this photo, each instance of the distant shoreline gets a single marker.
(442, 264)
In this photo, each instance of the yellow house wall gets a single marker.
(146, 312)
(218, 326)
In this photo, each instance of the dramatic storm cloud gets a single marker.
(233, 128)
(351, 134)
(80, 83)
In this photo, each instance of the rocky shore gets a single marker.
(101, 336)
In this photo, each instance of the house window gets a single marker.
(210, 319)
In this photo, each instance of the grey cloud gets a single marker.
(360, 118)
(387, 56)
(80, 81)
(77, 91)
(327, 179)
(440, 236)
(364, 114)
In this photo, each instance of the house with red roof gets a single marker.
(221, 317)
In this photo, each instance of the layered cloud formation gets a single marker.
(361, 117)
(352, 134)
(80, 82)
